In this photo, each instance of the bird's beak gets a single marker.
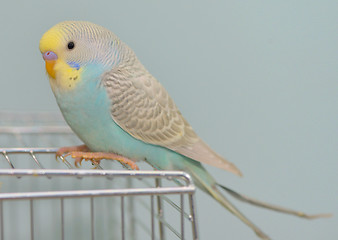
(50, 59)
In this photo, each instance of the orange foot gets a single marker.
(96, 157)
(63, 150)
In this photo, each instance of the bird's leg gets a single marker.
(63, 150)
(96, 157)
(83, 152)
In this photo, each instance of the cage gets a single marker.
(45, 198)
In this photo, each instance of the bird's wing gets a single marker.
(143, 108)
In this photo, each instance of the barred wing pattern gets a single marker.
(144, 109)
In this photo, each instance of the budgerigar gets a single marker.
(120, 111)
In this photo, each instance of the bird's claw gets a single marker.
(78, 161)
(64, 152)
(96, 157)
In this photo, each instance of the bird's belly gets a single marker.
(87, 112)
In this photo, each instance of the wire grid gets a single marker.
(41, 198)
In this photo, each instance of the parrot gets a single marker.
(121, 112)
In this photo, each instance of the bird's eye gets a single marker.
(71, 45)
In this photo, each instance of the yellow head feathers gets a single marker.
(71, 45)
(51, 40)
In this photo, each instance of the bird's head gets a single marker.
(71, 45)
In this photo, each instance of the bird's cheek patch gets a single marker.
(68, 77)
(74, 65)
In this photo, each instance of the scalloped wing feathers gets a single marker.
(144, 109)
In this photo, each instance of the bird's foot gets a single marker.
(65, 150)
(96, 157)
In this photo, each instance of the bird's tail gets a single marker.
(276, 208)
(215, 193)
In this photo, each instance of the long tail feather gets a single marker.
(258, 203)
(214, 192)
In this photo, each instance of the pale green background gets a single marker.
(256, 79)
